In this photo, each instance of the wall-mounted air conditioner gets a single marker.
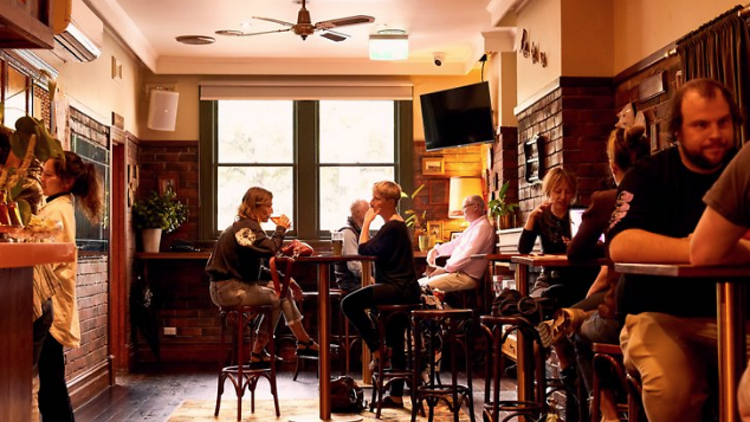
(79, 31)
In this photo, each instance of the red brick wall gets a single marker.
(463, 161)
(177, 160)
(93, 308)
(655, 109)
(575, 119)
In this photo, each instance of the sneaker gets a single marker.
(566, 322)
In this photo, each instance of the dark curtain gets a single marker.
(720, 50)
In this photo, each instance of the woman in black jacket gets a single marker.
(239, 277)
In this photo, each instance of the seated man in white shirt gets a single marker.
(460, 271)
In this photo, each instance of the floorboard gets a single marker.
(152, 394)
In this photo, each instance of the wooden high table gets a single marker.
(323, 261)
(730, 320)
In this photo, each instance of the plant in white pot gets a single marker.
(156, 214)
(501, 210)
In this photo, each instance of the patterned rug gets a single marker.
(203, 410)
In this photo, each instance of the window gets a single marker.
(315, 156)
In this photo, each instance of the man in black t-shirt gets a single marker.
(670, 324)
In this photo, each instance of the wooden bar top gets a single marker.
(18, 255)
(172, 255)
(538, 260)
(685, 270)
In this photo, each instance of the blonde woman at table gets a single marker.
(723, 233)
(64, 180)
(239, 277)
(550, 221)
(395, 281)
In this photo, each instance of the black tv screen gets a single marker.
(457, 117)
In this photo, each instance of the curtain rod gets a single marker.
(742, 12)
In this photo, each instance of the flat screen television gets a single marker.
(457, 117)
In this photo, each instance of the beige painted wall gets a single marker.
(90, 87)
(542, 20)
(642, 27)
(587, 38)
(188, 111)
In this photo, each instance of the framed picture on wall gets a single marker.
(165, 182)
(454, 235)
(433, 166)
(435, 228)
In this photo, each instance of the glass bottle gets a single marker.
(14, 214)
(4, 216)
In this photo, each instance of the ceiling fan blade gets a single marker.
(334, 36)
(349, 20)
(236, 33)
(289, 24)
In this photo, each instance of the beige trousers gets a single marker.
(673, 356)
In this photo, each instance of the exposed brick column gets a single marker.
(575, 119)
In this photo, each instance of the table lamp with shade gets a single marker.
(460, 188)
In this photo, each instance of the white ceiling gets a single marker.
(149, 27)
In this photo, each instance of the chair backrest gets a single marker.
(281, 286)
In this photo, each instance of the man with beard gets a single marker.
(669, 331)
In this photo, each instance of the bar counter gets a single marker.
(16, 262)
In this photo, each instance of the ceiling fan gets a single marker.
(304, 26)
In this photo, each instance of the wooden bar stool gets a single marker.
(607, 363)
(497, 330)
(456, 328)
(241, 372)
(383, 377)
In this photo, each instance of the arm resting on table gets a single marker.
(636, 245)
(718, 241)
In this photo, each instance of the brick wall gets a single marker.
(655, 109)
(463, 161)
(575, 119)
(93, 308)
(177, 160)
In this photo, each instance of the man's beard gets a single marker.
(701, 161)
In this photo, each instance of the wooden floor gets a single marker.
(153, 394)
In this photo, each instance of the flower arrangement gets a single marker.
(156, 211)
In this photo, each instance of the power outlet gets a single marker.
(170, 331)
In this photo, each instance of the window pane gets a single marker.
(256, 132)
(233, 182)
(15, 97)
(356, 131)
(340, 186)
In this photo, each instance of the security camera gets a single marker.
(438, 58)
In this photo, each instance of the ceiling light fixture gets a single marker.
(389, 44)
(195, 39)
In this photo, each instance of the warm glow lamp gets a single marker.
(460, 188)
(389, 44)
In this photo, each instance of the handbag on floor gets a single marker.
(346, 395)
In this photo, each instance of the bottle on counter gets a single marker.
(4, 215)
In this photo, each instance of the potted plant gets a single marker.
(502, 211)
(156, 214)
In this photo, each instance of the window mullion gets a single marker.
(306, 175)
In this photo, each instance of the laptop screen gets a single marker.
(576, 217)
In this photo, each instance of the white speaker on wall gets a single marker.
(162, 110)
